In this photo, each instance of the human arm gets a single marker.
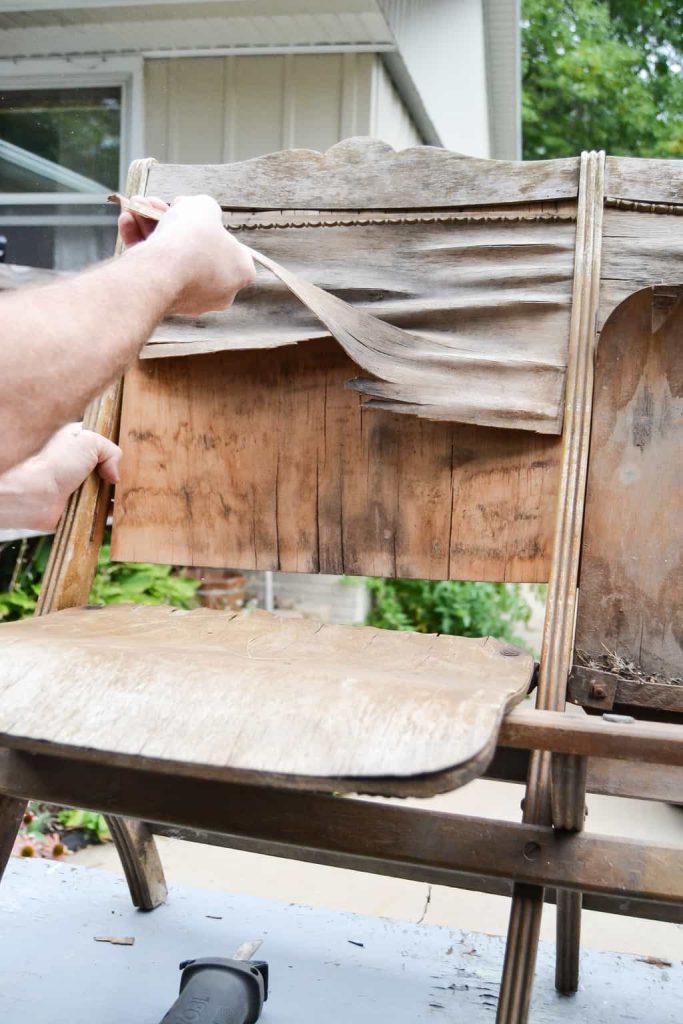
(61, 344)
(33, 494)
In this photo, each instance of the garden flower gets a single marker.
(53, 847)
(25, 846)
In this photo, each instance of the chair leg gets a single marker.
(568, 939)
(140, 860)
(12, 813)
(521, 949)
(568, 773)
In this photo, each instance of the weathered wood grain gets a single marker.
(363, 173)
(269, 463)
(368, 835)
(266, 694)
(654, 181)
(495, 362)
(638, 250)
(631, 587)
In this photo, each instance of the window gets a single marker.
(64, 145)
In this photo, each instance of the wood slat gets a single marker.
(289, 471)
(363, 173)
(635, 178)
(456, 879)
(384, 838)
(656, 742)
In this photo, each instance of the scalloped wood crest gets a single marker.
(363, 173)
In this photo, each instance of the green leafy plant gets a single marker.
(140, 583)
(114, 583)
(90, 821)
(453, 607)
(602, 74)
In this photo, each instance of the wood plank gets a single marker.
(388, 838)
(365, 173)
(607, 776)
(269, 694)
(631, 586)
(656, 742)
(654, 181)
(596, 688)
(456, 879)
(640, 781)
(292, 474)
(638, 250)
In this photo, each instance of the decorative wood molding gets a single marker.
(558, 631)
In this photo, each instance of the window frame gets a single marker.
(52, 73)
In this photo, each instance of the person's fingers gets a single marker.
(108, 459)
(154, 201)
(134, 227)
(129, 229)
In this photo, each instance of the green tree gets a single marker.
(602, 74)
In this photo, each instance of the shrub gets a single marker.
(453, 607)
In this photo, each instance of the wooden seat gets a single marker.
(233, 694)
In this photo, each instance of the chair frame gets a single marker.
(546, 857)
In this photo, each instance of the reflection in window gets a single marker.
(55, 142)
(52, 131)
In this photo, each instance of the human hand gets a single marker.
(34, 493)
(208, 265)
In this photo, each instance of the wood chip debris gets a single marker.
(654, 961)
(116, 940)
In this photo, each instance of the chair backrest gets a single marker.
(630, 613)
(245, 449)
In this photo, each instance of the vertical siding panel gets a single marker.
(196, 108)
(390, 121)
(213, 109)
(228, 144)
(156, 109)
(317, 89)
(357, 70)
(259, 101)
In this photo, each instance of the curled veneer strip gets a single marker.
(418, 375)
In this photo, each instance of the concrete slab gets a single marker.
(326, 967)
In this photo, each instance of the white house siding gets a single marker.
(389, 118)
(221, 109)
(441, 51)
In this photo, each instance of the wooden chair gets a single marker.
(244, 729)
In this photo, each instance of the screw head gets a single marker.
(598, 691)
(509, 652)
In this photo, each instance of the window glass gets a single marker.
(56, 141)
(60, 140)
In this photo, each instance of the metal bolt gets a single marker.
(598, 691)
(531, 851)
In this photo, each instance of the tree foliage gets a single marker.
(602, 74)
